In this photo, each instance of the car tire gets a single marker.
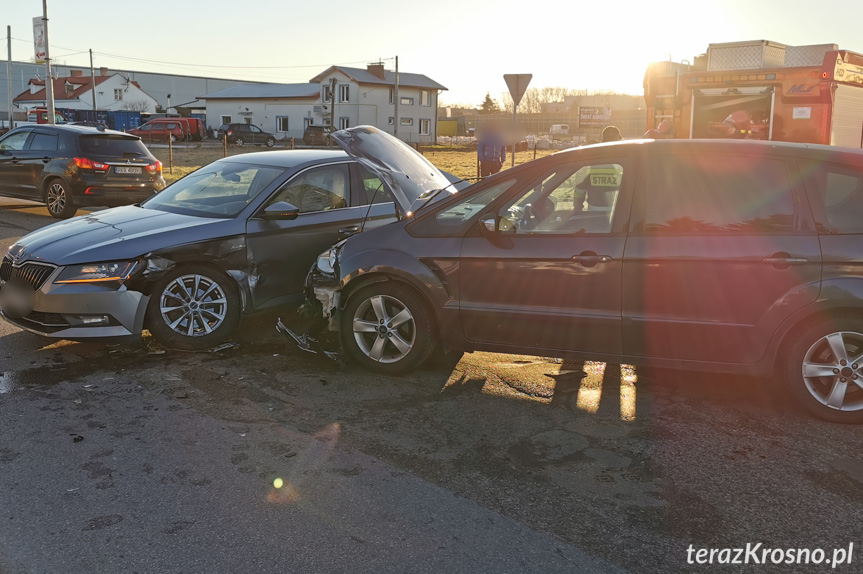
(270, 142)
(238, 141)
(823, 365)
(371, 338)
(58, 200)
(193, 307)
(172, 138)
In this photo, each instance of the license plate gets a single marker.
(120, 169)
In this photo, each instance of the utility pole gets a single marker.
(49, 81)
(92, 79)
(396, 101)
(9, 71)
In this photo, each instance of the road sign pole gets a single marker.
(517, 84)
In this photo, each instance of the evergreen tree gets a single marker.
(488, 106)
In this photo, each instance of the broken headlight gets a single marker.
(327, 261)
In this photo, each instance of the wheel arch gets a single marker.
(802, 321)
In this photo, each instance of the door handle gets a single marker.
(349, 230)
(589, 258)
(784, 260)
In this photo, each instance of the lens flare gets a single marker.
(278, 483)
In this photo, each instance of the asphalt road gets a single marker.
(125, 459)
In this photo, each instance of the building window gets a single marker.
(345, 93)
(344, 123)
(391, 121)
(326, 121)
(392, 95)
(281, 123)
(425, 126)
(118, 94)
(226, 119)
(326, 94)
(406, 101)
(425, 98)
(248, 121)
(407, 121)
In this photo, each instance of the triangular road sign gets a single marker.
(517, 84)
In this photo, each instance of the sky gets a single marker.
(465, 45)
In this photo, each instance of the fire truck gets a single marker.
(761, 90)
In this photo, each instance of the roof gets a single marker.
(80, 85)
(83, 130)
(268, 91)
(365, 77)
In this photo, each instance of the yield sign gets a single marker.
(517, 84)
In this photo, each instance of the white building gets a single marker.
(113, 92)
(362, 97)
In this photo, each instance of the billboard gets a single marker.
(39, 39)
(593, 116)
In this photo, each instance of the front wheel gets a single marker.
(58, 201)
(387, 328)
(270, 142)
(824, 368)
(192, 308)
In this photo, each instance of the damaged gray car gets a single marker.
(234, 237)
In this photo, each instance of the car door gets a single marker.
(281, 252)
(722, 249)
(549, 275)
(41, 150)
(257, 136)
(12, 151)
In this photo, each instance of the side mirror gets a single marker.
(281, 210)
(488, 223)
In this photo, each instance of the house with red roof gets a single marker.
(112, 92)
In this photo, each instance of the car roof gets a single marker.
(288, 158)
(84, 130)
(748, 147)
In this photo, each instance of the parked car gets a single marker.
(240, 134)
(317, 135)
(705, 255)
(72, 166)
(89, 124)
(233, 237)
(161, 130)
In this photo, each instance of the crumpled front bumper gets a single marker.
(318, 316)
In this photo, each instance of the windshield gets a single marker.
(221, 189)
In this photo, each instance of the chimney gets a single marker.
(377, 70)
(76, 73)
(103, 71)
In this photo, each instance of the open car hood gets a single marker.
(411, 177)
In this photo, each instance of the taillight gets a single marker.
(230, 132)
(155, 167)
(85, 163)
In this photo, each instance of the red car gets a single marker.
(165, 129)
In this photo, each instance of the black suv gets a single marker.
(241, 134)
(72, 166)
(730, 256)
(317, 135)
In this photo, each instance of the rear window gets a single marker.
(113, 146)
(837, 195)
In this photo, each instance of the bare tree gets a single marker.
(137, 106)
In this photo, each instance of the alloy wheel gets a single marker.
(193, 305)
(56, 198)
(384, 329)
(833, 371)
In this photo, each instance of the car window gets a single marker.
(146, 127)
(118, 146)
(458, 214)
(373, 191)
(255, 129)
(717, 194)
(15, 141)
(571, 199)
(44, 142)
(221, 189)
(837, 194)
(317, 189)
(243, 127)
(170, 126)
